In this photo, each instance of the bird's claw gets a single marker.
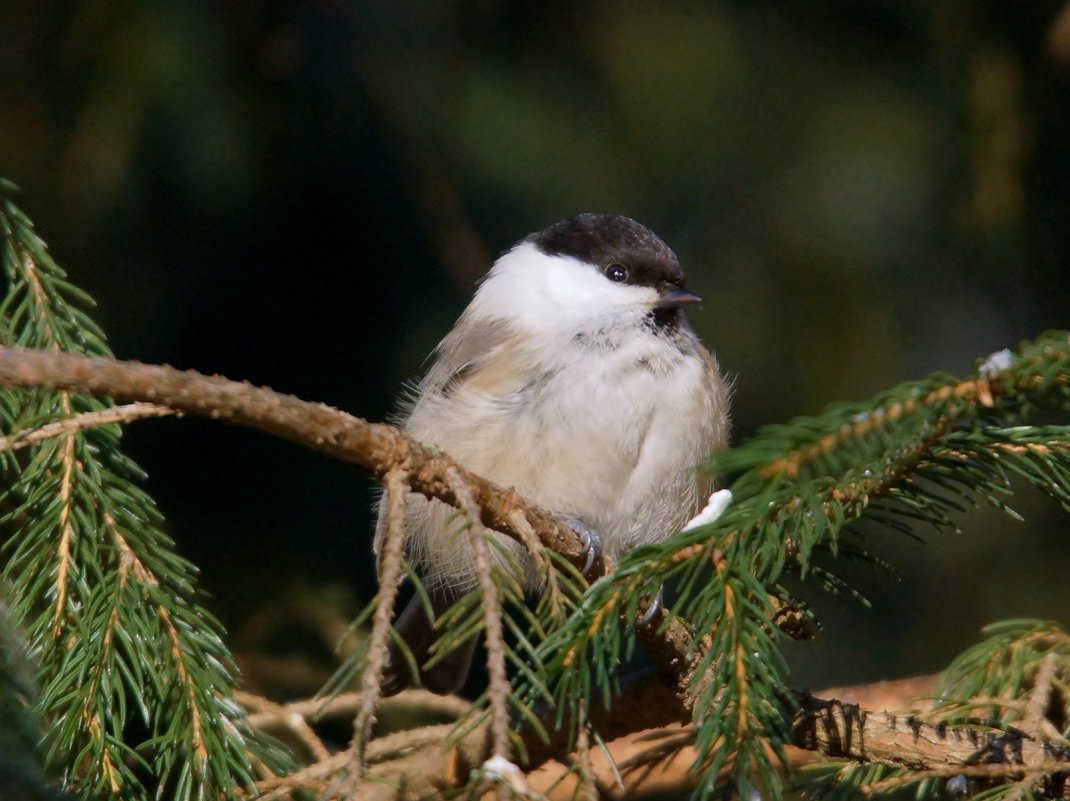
(591, 540)
(652, 609)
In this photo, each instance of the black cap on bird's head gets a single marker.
(624, 250)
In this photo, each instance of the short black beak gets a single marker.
(676, 296)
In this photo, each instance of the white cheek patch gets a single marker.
(540, 292)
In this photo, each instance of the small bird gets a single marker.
(573, 377)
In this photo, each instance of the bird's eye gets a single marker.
(617, 273)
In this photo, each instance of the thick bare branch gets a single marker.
(376, 447)
(906, 740)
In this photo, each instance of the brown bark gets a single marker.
(375, 447)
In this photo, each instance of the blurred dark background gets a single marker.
(302, 194)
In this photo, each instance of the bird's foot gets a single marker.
(652, 608)
(592, 543)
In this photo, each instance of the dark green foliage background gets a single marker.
(863, 192)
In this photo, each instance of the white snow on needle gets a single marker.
(996, 363)
(715, 507)
(500, 769)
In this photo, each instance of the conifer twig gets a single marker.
(345, 704)
(972, 392)
(292, 721)
(110, 415)
(991, 770)
(110, 612)
(390, 577)
(548, 577)
(376, 447)
(498, 690)
(588, 787)
(65, 527)
(823, 725)
(1040, 697)
(381, 752)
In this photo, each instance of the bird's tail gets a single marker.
(446, 676)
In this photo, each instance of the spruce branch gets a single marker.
(1018, 676)
(375, 447)
(588, 786)
(389, 758)
(831, 502)
(988, 772)
(110, 612)
(997, 724)
(906, 740)
(839, 467)
(557, 593)
(1003, 387)
(906, 456)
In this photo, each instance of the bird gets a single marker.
(573, 377)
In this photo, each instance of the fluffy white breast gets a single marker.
(539, 293)
(573, 398)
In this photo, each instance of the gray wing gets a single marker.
(469, 352)
(477, 353)
(474, 353)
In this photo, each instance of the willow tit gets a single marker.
(573, 377)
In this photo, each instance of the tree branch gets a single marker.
(837, 725)
(828, 726)
(847, 731)
(376, 447)
(83, 422)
